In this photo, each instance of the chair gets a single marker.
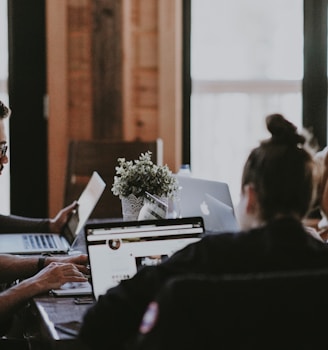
(261, 311)
(86, 156)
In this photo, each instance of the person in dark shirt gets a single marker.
(37, 274)
(14, 223)
(277, 190)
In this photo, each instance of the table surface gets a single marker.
(61, 317)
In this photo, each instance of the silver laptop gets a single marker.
(209, 199)
(117, 250)
(37, 243)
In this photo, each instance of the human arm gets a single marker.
(13, 267)
(52, 276)
(15, 223)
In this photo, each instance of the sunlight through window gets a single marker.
(246, 62)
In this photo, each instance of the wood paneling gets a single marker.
(114, 72)
(152, 71)
(107, 69)
(140, 48)
(57, 87)
(79, 69)
(170, 80)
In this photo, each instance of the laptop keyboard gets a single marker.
(43, 241)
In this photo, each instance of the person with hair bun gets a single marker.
(277, 191)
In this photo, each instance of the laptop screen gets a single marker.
(86, 203)
(118, 250)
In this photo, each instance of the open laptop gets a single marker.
(209, 199)
(117, 250)
(38, 243)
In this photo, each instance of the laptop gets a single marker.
(117, 250)
(209, 199)
(38, 243)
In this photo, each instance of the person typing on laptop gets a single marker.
(13, 223)
(277, 190)
(37, 274)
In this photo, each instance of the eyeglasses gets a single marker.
(3, 150)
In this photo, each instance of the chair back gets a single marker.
(261, 311)
(86, 156)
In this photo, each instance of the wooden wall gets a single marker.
(114, 70)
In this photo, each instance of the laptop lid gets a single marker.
(117, 250)
(86, 203)
(219, 216)
(37, 243)
(209, 199)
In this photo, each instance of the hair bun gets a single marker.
(283, 131)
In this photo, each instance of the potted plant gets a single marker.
(134, 178)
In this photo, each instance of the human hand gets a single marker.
(80, 261)
(57, 223)
(54, 275)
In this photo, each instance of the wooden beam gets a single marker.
(56, 29)
(170, 80)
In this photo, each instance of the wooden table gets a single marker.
(57, 320)
(52, 315)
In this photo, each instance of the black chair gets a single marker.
(86, 156)
(261, 311)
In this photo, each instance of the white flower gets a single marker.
(138, 176)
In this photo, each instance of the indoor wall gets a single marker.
(114, 71)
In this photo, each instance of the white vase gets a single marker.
(131, 206)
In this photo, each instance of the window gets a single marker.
(246, 60)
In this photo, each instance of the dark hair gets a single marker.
(281, 171)
(4, 111)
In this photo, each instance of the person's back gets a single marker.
(276, 193)
(254, 311)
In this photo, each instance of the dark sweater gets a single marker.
(12, 224)
(279, 246)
